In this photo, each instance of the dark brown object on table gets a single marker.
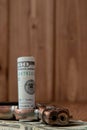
(40, 108)
(54, 116)
(63, 116)
(48, 114)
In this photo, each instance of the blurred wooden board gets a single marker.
(4, 50)
(77, 110)
(71, 50)
(31, 33)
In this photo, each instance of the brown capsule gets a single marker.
(38, 105)
(62, 116)
(49, 116)
(52, 115)
(41, 108)
(55, 116)
(6, 112)
(5, 109)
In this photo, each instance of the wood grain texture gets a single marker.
(3, 49)
(71, 50)
(44, 54)
(31, 25)
(78, 110)
(19, 40)
(82, 21)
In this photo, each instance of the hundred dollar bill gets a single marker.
(26, 82)
(15, 125)
(73, 125)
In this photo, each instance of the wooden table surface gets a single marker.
(77, 110)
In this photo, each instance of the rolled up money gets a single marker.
(26, 114)
(26, 82)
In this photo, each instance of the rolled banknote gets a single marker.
(26, 82)
(26, 114)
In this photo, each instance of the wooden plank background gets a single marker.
(71, 50)
(55, 33)
(31, 33)
(3, 49)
